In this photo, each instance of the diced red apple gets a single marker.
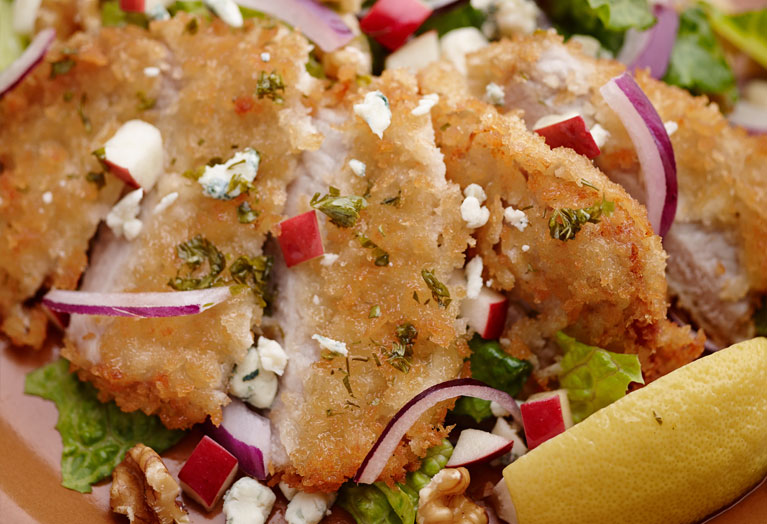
(416, 54)
(391, 22)
(486, 314)
(300, 239)
(475, 446)
(208, 472)
(134, 154)
(570, 132)
(132, 6)
(545, 415)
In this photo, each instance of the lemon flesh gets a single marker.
(670, 453)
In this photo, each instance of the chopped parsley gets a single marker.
(564, 223)
(343, 211)
(194, 253)
(246, 214)
(254, 273)
(381, 256)
(402, 350)
(144, 102)
(81, 112)
(439, 291)
(271, 86)
(192, 26)
(393, 201)
(375, 312)
(96, 178)
(62, 67)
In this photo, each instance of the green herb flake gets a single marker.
(192, 27)
(375, 312)
(381, 257)
(62, 67)
(343, 211)
(83, 117)
(254, 273)
(271, 86)
(246, 214)
(394, 200)
(95, 436)
(401, 352)
(439, 291)
(68, 95)
(145, 103)
(314, 67)
(194, 253)
(96, 178)
(565, 223)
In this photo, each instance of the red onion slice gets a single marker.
(246, 435)
(319, 23)
(651, 49)
(387, 442)
(149, 305)
(22, 66)
(653, 147)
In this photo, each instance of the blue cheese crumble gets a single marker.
(248, 502)
(233, 177)
(308, 508)
(375, 110)
(252, 382)
(358, 167)
(425, 104)
(122, 219)
(494, 94)
(335, 347)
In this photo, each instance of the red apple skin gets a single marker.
(123, 174)
(486, 458)
(571, 133)
(208, 472)
(133, 6)
(542, 419)
(391, 22)
(496, 319)
(300, 239)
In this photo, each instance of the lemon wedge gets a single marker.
(670, 453)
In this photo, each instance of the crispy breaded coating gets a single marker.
(332, 409)
(717, 266)
(606, 286)
(206, 107)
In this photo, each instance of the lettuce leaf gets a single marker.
(594, 377)
(367, 504)
(605, 20)
(491, 365)
(697, 60)
(95, 435)
(402, 499)
(746, 31)
(475, 408)
(461, 16)
(11, 44)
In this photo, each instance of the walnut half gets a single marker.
(443, 501)
(144, 490)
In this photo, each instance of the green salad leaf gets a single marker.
(461, 16)
(11, 44)
(697, 60)
(605, 20)
(491, 365)
(746, 31)
(475, 408)
(95, 435)
(380, 504)
(113, 16)
(594, 377)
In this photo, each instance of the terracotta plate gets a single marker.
(29, 461)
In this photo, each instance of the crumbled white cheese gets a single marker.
(755, 92)
(122, 218)
(47, 197)
(151, 71)
(227, 180)
(517, 17)
(334, 346)
(600, 135)
(357, 167)
(165, 202)
(316, 300)
(525, 248)
(516, 217)
(252, 383)
(671, 127)
(328, 259)
(158, 11)
(273, 357)
(494, 94)
(308, 508)
(456, 44)
(265, 57)
(473, 271)
(425, 104)
(497, 410)
(590, 46)
(248, 502)
(375, 110)
(287, 490)
(473, 214)
(226, 10)
(476, 191)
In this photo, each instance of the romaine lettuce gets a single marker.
(95, 435)
(594, 377)
(11, 44)
(746, 31)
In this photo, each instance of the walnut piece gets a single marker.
(443, 501)
(144, 490)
